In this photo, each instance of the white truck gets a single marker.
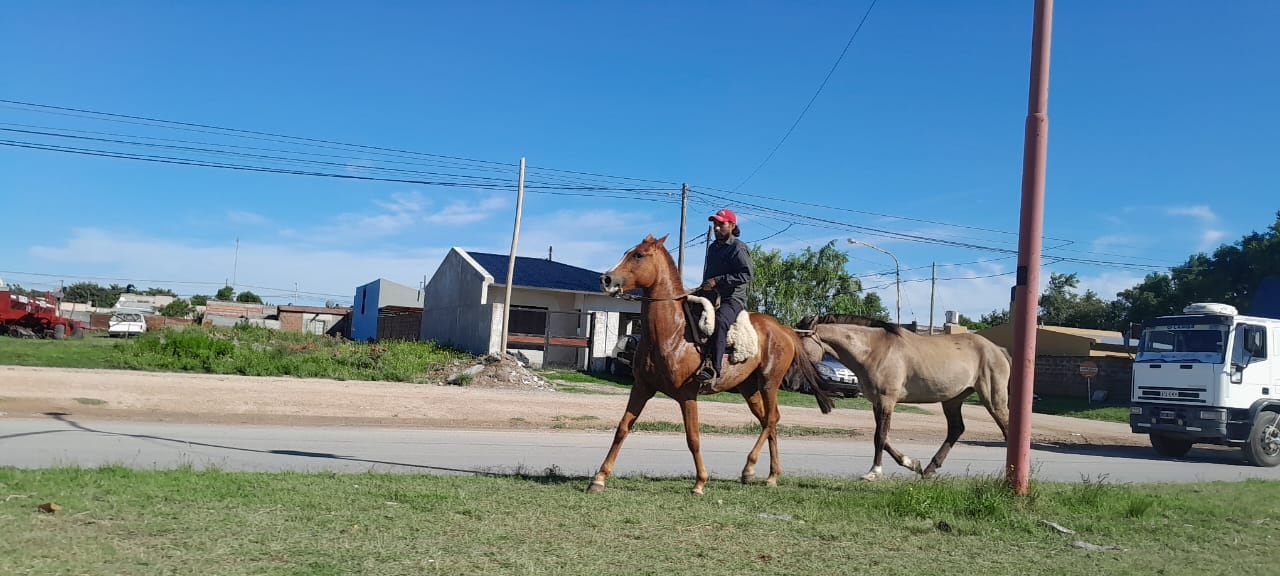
(1209, 376)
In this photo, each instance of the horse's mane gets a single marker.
(808, 322)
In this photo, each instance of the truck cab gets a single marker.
(1209, 376)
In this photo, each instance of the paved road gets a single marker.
(58, 441)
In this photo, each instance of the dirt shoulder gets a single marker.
(207, 398)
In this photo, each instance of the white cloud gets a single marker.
(1210, 235)
(462, 212)
(247, 218)
(329, 274)
(1200, 212)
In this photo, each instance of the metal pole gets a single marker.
(511, 260)
(897, 273)
(235, 266)
(1030, 231)
(684, 211)
(933, 287)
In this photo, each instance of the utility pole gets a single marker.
(511, 260)
(933, 287)
(235, 264)
(1030, 230)
(684, 211)
(897, 274)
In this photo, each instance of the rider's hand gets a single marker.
(708, 284)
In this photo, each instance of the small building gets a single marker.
(314, 320)
(1060, 353)
(223, 313)
(559, 316)
(384, 303)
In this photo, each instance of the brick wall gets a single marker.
(291, 322)
(1059, 376)
(162, 322)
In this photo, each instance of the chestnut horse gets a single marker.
(665, 361)
(895, 365)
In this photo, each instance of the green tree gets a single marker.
(160, 292)
(248, 297)
(179, 308)
(199, 300)
(811, 282)
(224, 294)
(1061, 306)
(91, 292)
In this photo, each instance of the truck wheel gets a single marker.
(59, 332)
(77, 332)
(1263, 447)
(1170, 447)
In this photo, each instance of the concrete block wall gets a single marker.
(1059, 377)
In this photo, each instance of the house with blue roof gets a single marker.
(559, 316)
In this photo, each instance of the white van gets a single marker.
(126, 323)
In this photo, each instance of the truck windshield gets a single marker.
(1195, 343)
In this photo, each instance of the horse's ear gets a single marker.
(663, 240)
(649, 239)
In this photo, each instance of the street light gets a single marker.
(897, 273)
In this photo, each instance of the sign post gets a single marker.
(1089, 369)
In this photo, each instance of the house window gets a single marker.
(528, 320)
(364, 294)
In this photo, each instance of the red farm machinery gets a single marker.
(34, 317)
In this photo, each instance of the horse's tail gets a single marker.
(802, 371)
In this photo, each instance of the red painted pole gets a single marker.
(1030, 232)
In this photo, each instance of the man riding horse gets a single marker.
(725, 276)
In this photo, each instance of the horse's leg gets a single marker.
(640, 395)
(689, 407)
(955, 427)
(902, 459)
(770, 394)
(882, 409)
(763, 401)
(755, 401)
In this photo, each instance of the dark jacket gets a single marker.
(729, 263)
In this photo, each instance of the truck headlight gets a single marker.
(1212, 415)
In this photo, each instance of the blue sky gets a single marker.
(1161, 124)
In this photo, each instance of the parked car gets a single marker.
(840, 380)
(619, 363)
(126, 323)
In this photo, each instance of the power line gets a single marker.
(252, 168)
(812, 99)
(273, 137)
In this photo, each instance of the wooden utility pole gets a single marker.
(1030, 231)
(933, 287)
(511, 260)
(684, 212)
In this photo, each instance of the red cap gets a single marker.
(724, 215)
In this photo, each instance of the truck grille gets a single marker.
(1166, 394)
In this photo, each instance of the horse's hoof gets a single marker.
(772, 483)
(748, 477)
(697, 491)
(595, 488)
(870, 476)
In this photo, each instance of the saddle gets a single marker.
(741, 343)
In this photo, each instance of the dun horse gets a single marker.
(762, 353)
(895, 365)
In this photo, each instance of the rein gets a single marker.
(625, 296)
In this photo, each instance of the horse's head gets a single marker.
(643, 267)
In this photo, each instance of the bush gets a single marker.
(259, 351)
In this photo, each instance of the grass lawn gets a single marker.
(1104, 412)
(246, 350)
(89, 352)
(118, 521)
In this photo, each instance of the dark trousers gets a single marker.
(726, 314)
